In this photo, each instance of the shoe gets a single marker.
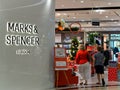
(81, 83)
(97, 83)
(85, 84)
(103, 82)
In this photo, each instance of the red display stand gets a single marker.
(118, 72)
(114, 70)
(65, 77)
(112, 74)
(118, 61)
(63, 74)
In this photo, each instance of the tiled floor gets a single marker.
(94, 88)
(110, 85)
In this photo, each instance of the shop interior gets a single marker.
(87, 21)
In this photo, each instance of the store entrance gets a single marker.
(114, 44)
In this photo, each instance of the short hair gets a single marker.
(107, 47)
(81, 47)
(99, 48)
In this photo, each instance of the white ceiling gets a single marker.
(86, 11)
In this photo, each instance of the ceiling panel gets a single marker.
(86, 11)
(86, 3)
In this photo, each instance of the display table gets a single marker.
(65, 77)
(112, 71)
(63, 70)
(112, 74)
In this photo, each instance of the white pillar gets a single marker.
(27, 65)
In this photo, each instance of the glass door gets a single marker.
(114, 44)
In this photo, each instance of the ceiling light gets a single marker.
(74, 17)
(112, 19)
(64, 14)
(82, 20)
(58, 14)
(106, 16)
(99, 10)
(109, 3)
(115, 22)
(82, 1)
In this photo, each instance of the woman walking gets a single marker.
(82, 59)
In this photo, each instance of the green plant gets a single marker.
(91, 38)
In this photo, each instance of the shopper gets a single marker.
(99, 65)
(107, 55)
(82, 59)
(115, 51)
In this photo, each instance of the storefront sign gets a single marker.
(21, 34)
(115, 36)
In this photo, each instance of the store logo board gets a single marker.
(114, 36)
(22, 34)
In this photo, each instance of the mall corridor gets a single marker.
(94, 88)
(110, 85)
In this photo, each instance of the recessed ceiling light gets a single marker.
(64, 14)
(115, 22)
(82, 1)
(112, 19)
(106, 16)
(99, 10)
(74, 17)
(58, 14)
(82, 20)
(96, 6)
(109, 3)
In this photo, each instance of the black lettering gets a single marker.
(37, 41)
(28, 40)
(26, 27)
(35, 30)
(10, 26)
(23, 42)
(17, 40)
(32, 41)
(30, 29)
(13, 38)
(16, 27)
(21, 28)
(8, 39)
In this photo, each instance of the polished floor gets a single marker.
(94, 88)
(110, 85)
